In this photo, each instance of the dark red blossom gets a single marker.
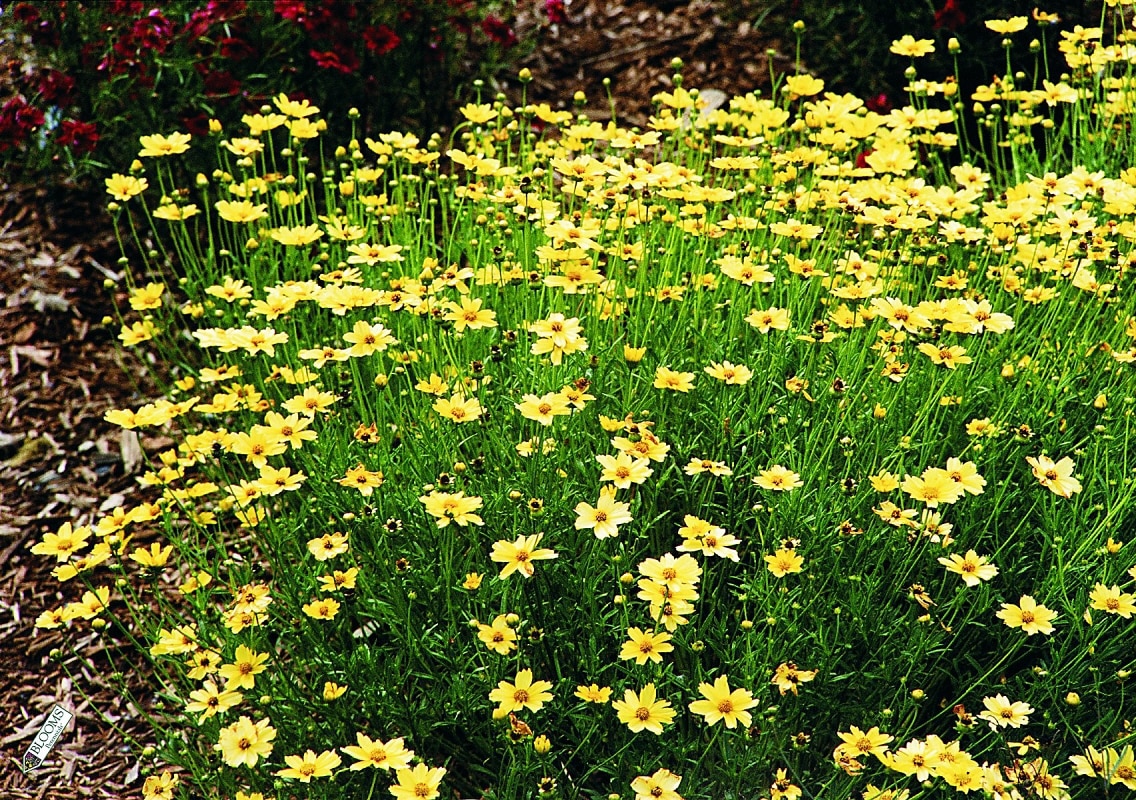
(380, 39)
(55, 87)
(126, 8)
(215, 12)
(152, 32)
(79, 136)
(195, 123)
(555, 11)
(950, 16)
(344, 61)
(498, 31)
(236, 49)
(25, 14)
(219, 83)
(292, 10)
(17, 120)
(880, 103)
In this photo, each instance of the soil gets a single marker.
(60, 371)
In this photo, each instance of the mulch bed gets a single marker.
(60, 370)
(634, 43)
(59, 461)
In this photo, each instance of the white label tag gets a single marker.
(57, 719)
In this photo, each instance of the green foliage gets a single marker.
(814, 424)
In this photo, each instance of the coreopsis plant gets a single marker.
(502, 469)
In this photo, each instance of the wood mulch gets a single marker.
(59, 461)
(633, 44)
(60, 371)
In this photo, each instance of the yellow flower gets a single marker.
(1112, 601)
(519, 555)
(908, 45)
(293, 108)
(160, 787)
(419, 783)
(359, 477)
(323, 608)
(376, 753)
(723, 704)
(146, 297)
(137, 333)
(803, 85)
(297, 236)
(643, 645)
(623, 470)
(1001, 713)
(644, 711)
(240, 210)
(545, 408)
(472, 581)
(471, 315)
(594, 693)
(605, 518)
(1028, 615)
(524, 692)
(478, 114)
(333, 690)
(310, 765)
(1055, 476)
(63, 543)
(862, 743)
(456, 508)
(158, 145)
(730, 374)
(659, 786)
(787, 677)
(633, 355)
(328, 546)
(949, 357)
(1005, 26)
(973, 568)
(458, 409)
(125, 186)
(211, 700)
(783, 788)
(155, 557)
(241, 674)
(778, 479)
(498, 637)
(675, 381)
(245, 742)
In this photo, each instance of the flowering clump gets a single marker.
(520, 462)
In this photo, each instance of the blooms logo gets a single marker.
(57, 719)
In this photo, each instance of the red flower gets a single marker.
(292, 10)
(195, 123)
(234, 48)
(56, 87)
(950, 16)
(499, 31)
(880, 103)
(380, 40)
(346, 62)
(219, 83)
(152, 32)
(555, 11)
(126, 8)
(25, 13)
(79, 136)
(17, 120)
